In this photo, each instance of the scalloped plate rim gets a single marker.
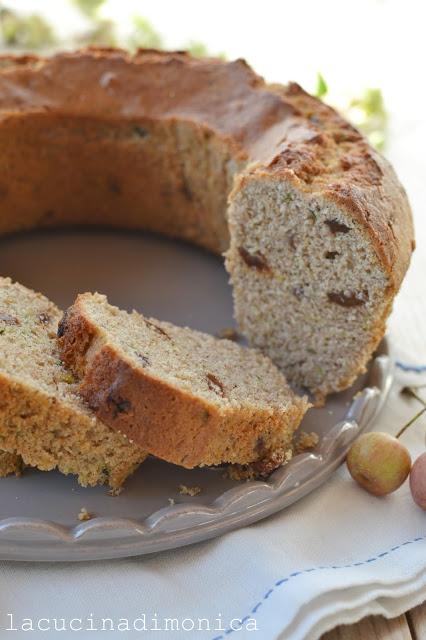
(156, 532)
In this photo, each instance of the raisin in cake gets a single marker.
(184, 396)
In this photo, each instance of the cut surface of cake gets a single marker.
(183, 395)
(42, 418)
(10, 463)
(309, 287)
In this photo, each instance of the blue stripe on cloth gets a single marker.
(294, 574)
(411, 367)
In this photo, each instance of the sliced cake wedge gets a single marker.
(41, 416)
(182, 395)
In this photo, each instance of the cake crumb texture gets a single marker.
(42, 418)
(10, 463)
(184, 396)
(184, 490)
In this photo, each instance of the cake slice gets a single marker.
(182, 395)
(41, 416)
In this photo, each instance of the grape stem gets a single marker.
(410, 422)
(410, 391)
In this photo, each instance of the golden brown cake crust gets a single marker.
(176, 424)
(283, 130)
(338, 163)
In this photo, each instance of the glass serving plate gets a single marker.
(176, 282)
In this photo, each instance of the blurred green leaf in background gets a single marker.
(89, 7)
(199, 50)
(24, 32)
(101, 32)
(322, 87)
(367, 112)
(144, 35)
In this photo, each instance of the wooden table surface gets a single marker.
(409, 626)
